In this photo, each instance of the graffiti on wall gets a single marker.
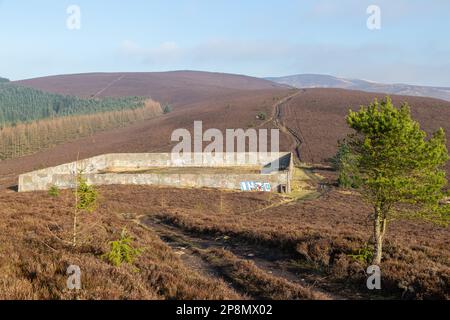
(256, 186)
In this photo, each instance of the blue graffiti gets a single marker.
(256, 186)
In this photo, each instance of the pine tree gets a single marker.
(401, 172)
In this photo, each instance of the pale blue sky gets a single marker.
(254, 37)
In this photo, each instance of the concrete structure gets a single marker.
(227, 170)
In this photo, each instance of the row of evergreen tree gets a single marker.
(29, 137)
(22, 104)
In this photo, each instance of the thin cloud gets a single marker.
(254, 58)
(167, 52)
(211, 50)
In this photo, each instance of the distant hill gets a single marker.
(179, 88)
(326, 81)
(3, 80)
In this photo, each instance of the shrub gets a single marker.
(261, 116)
(53, 191)
(122, 250)
(363, 255)
(167, 109)
(344, 162)
(87, 195)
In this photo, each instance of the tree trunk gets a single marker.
(75, 212)
(379, 232)
(74, 240)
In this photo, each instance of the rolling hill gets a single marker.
(221, 101)
(236, 109)
(326, 81)
(317, 116)
(179, 88)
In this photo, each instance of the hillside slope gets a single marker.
(179, 88)
(24, 104)
(237, 109)
(221, 101)
(318, 117)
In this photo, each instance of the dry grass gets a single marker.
(301, 185)
(253, 281)
(326, 231)
(318, 234)
(34, 256)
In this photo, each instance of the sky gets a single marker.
(253, 37)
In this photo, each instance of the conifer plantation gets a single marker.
(22, 104)
(31, 120)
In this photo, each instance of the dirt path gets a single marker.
(268, 260)
(279, 123)
(108, 86)
(296, 135)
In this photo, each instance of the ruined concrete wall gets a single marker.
(63, 176)
(224, 181)
(139, 160)
(45, 178)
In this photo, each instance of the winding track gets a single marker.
(297, 139)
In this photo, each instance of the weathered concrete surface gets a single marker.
(63, 176)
